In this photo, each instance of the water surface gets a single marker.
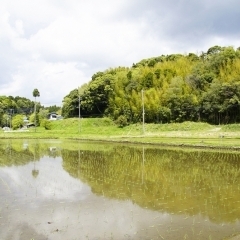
(82, 190)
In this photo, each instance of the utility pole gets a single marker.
(35, 117)
(143, 161)
(11, 118)
(143, 112)
(79, 113)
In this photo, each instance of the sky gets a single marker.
(57, 45)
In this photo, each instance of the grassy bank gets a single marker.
(187, 133)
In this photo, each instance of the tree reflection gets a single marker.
(35, 172)
(173, 181)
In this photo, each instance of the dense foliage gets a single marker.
(12, 106)
(177, 88)
(13, 111)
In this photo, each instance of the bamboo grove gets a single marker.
(177, 88)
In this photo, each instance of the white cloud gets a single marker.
(53, 80)
(46, 44)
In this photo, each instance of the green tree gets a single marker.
(148, 80)
(6, 120)
(23, 105)
(34, 117)
(214, 50)
(42, 115)
(70, 104)
(36, 94)
(221, 103)
(53, 108)
(17, 121)
(95, 99)
(180, 101)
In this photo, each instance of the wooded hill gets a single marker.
(176, 87)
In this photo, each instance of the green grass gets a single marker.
(231, 128)
(185, 126)
(187, 133)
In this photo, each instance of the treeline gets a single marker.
(11, 106)
(14, 109)
(177, 88)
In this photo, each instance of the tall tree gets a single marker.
(36, 94)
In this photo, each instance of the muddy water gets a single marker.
(82, 190)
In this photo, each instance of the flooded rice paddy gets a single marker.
(83, 190)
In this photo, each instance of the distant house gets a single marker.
(54, 116)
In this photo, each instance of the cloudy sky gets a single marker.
(57, 45)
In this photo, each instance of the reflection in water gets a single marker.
(143, 160)
(35, 172)
(165, 180)
(180, 183)
(137, 192)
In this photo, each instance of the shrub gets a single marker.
(17, 121)
(121, 121)
(46, 124)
